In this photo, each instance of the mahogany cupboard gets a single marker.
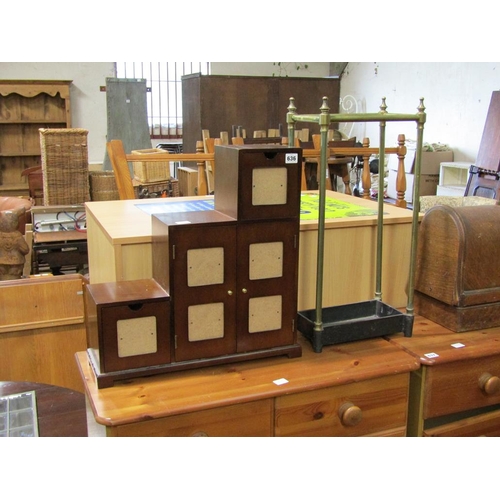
(232, 272)
(217, 102)
(227, 277)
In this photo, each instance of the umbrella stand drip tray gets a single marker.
(351, 322)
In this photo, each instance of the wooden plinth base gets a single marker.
(457, 319)
(108, 379)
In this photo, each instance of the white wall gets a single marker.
(456, 97)
(88, 103)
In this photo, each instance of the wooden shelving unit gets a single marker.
(25, 107)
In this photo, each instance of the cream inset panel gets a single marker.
(136, 336)
(269, 186)
(206, 321)
(264, 313)
(266, 260)
(205, 266)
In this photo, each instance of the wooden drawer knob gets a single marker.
(490, 384)
(350, 414)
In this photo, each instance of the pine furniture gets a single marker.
(357, 389)
(456, 391)
(25, 107)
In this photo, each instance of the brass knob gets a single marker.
(489, 384)
(230, 292)
(244, 290)
(350, 414)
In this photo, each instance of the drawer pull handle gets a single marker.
(199, 434)
(350, 414)
(489, 384)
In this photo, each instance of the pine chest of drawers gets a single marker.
(456, 392)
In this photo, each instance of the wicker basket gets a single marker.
(65, 166)
(103, 186)
(167, 188)
(151, 171)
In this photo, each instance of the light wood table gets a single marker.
(119, 248)
(355, 389)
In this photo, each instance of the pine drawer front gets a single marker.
(373, 407)
(252, 419)
(462, 385)
(487, 425)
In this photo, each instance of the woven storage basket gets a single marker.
(155, 189)
(65, 166)
(103, 186)
(151, 171)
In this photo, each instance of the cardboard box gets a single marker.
(431, 161)
(428, 185)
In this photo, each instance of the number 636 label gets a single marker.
(291, 158)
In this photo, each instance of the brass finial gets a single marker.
(324, 107)
(383, 106)
(421, 107)
(291, 106)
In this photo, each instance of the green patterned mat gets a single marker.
(334, 209)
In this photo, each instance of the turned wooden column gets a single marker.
(366, 178)
(401, 177)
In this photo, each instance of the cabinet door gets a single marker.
(203, 271)
(267, 284)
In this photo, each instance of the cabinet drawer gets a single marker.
(373, 407)
(487, 424)
(249, 419)
(454, 387)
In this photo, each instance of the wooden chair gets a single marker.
(35, 183)
(209, 144)
(118, 160)
(237, 141)
(338, 164)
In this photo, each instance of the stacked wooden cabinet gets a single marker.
(226, 277)
(25, 107)
(232, 272)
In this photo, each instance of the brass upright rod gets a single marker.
(380, 200)
(416, 206)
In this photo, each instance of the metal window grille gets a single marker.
(163, 80)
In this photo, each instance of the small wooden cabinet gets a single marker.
(127, 326)
(232, 272)
(456, 392)
(25, 107)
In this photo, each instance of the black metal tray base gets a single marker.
(351, 322)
